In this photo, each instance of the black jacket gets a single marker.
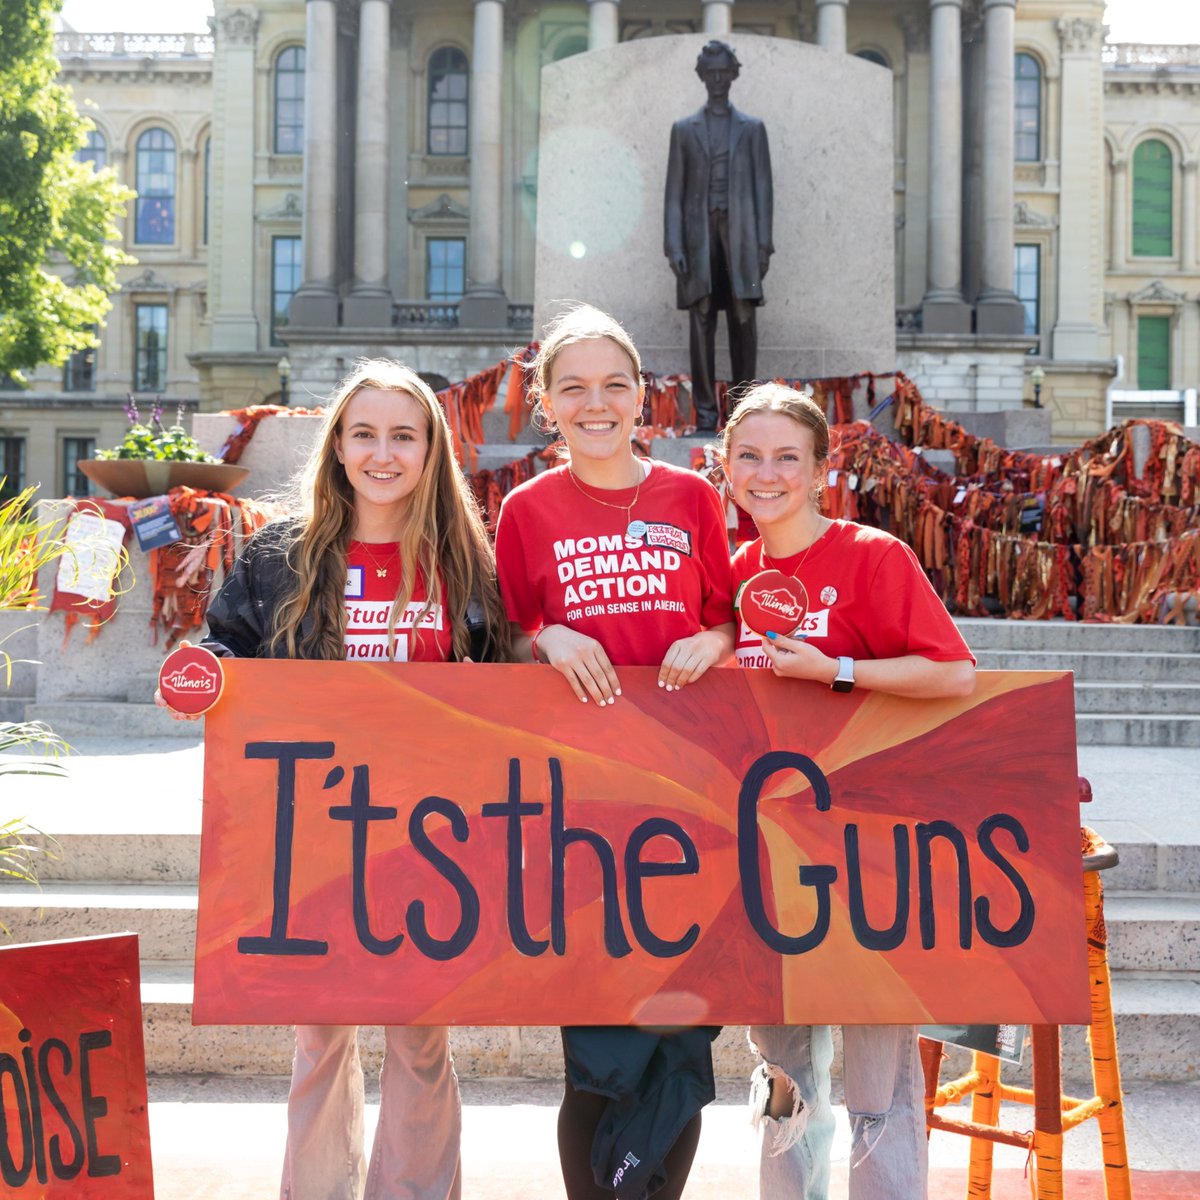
(241, 615)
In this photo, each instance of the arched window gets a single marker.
(155, 183)
(289, 101)
(1028, 109)
(447, 120)
(871, 56)
(1153, 177)
(94, 150)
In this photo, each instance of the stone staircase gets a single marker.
(1134, 687)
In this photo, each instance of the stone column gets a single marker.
(485, 306)
(1190, 216)
(231, 256)
(997, 310)
(943, 309)
(190, 213)
(831, 25)
(1119, 214)
(718, 17)
(915, 27)
(1081, 238)
(370, 302)
(604, 27)
(316, 301)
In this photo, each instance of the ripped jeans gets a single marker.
(885, 1092)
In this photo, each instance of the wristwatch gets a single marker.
(843, 681)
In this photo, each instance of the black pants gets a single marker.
(702, 328)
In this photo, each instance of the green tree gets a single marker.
(58, 238)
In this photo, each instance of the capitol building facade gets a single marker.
(324, 179)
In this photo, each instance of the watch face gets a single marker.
(772, 602)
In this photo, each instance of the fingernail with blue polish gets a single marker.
(772, 634)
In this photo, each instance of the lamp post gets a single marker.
(285, 373)
(1037, 377)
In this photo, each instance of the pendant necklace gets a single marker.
(633, 529)
(380, 572)
(764, 561)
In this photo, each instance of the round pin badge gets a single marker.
(191, 680)
(828, 595)
(772, 602)
(637, 529)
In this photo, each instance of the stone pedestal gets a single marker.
(830, 293)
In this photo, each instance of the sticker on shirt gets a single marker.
(814, 625)
(828, 595)
(354, 583)
(367, 631)
(669, 537)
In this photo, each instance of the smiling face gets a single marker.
(382, 442)
(773, 470)
(593, 396)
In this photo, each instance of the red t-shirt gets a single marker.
(867, 598)
(564, 558)
(369, 596)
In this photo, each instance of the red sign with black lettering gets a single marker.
(433, 843)
(73, 1072)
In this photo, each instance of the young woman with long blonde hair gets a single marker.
(388, 560)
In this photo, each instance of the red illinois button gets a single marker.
(772, 602)
(191, 680)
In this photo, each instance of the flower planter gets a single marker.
(139, 478)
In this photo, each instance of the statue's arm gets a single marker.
(673, 246)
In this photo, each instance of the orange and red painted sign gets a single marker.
(467, 844)
(73, 1072)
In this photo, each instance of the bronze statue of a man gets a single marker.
(718, 226)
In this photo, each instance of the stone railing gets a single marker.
(520, 316)
(134, 45)
(1144, 54)
(908, 320)
(431, 314)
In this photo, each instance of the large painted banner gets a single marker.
(466, 844)
(73, 1072)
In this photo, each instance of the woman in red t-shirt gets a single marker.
(607, 561)
(389, 560)
(873, 621)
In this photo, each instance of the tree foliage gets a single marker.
(59, 251)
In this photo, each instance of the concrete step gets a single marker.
(1158, 1037)
(1124, 729)
(1097, 666)
(1147, 865)
(1153, 932)
(163, 915)
(113, 718)
(12, 708)
(1177, 699)
(118, 858)
(983, 633)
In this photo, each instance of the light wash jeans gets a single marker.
(416, 1151)
(885, 1096)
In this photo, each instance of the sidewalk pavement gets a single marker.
(220, 1137)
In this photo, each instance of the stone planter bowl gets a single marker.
(139, 478)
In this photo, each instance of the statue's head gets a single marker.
(718, 67)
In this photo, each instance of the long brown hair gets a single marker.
(443, 540)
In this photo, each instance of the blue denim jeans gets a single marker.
(884, 1097)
